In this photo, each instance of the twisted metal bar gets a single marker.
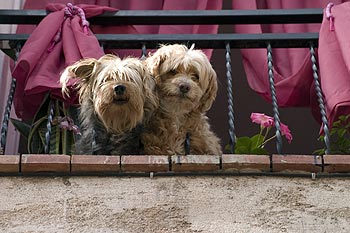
(187, 144)
(143, 52)
(48, 128)
(93, 141)
(6, 118)
(231, 119)
(320, 100)
(274, 99)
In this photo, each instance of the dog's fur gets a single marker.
(186, 86)
(116, 96)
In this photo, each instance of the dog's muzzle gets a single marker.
(119, 89)
(120, 97)
(184, 88)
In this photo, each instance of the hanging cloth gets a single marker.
(334, 60)
(292, 66)
(62, 38)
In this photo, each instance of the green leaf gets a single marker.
(320, 151)
(55, 137)
(257, 140)
(259, 151)
(243, 145)
(22, 127)
(35, 142)
(43, 109)
(341, 132)
(10, 52)
(67, 142)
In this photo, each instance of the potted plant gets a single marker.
(63, 130)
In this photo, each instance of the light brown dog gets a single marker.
(186, 86)
(116, 97)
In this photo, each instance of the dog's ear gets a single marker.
(154, 61)
(210, 91)
(151, 99)
(78, 74)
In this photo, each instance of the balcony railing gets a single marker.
(10, 42)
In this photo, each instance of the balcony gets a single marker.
(234, 92)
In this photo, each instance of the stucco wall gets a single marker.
(174, 204)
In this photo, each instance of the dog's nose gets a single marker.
(184, 87)
(119, 89)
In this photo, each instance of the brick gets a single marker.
(9, 163)
(195, 163)
(337, 163)
(245, 163)
(144, 163)
(36, 163)
(296, 163)
(95, 164)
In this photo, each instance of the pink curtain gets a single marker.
(334, 60)
(292, 67)
(35, 78)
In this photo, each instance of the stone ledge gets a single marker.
(9, 163)
(144, 163)
(336, 163)
(190, 164)
(195, 163)
(35, 163)
(95, 164)
(245, 163)
(296, 163)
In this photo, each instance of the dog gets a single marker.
(116, 97)
(186, 86)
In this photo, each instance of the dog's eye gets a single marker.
(172, 72)
(195, 77)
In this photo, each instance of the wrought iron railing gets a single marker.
(11, 42)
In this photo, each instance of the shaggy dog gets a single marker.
(116, 97)
(186, 87)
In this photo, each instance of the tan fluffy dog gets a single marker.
(116, 97)
(186, 86)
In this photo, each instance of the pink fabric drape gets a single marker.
(37, 73)
(38, 69)
(292, 67)
(334, 60)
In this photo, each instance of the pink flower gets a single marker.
(286, 132)
(262, 119)
(64, 125)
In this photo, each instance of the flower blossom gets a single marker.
(267, 121)
(262, 119)
(286, 132)
(68, 124)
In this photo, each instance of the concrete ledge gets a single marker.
(33, 163)
(245, 163)
(95, 164)
(337, 163)
(296, 163)
(195, 163)
(144, 163)
(9, 163)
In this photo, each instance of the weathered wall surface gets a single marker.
(174, 204)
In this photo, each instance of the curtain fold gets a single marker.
(292, 66)
(334, 60)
